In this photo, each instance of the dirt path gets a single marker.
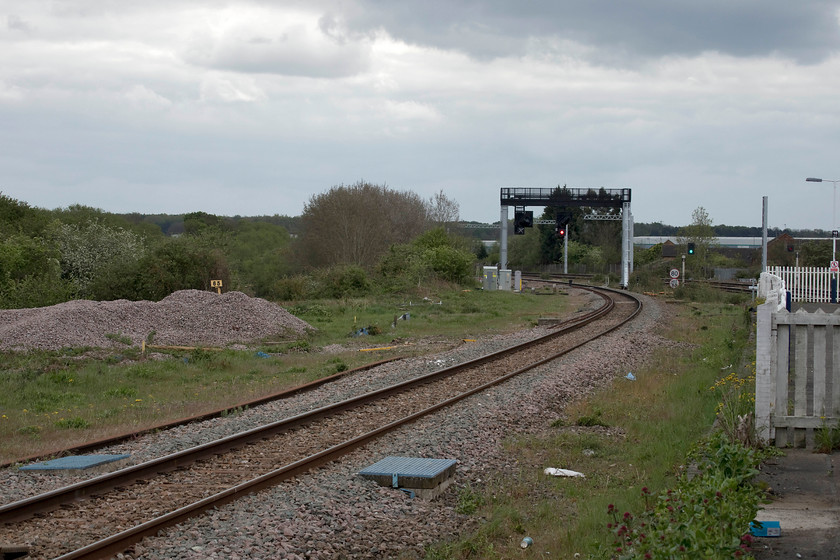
(806, 503)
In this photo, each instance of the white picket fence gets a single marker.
(806, 284)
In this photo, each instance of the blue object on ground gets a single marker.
(74, 462)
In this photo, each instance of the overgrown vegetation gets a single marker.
(827, 438)
(706, 514)
(645, 449)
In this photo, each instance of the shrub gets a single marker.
(30, 275)
(340, 282)
(290, 288)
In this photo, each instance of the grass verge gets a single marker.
(632, 435)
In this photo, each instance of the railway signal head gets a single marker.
(521, 220)
(561, 231)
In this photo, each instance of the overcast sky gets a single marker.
(252, 107)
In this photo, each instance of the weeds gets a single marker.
(75, 423)
(704, 516)
(592, 420)
(121, 338)
(736, 409)
(827, 438)
(469, 500)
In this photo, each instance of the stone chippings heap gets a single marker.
(186, 317)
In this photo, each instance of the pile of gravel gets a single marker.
(186, 317)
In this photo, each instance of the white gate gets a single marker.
(797, 369)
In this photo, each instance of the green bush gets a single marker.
(290, 288)
(339, 282)
(177, 264)
(435, 255)
(449, 264)
(92, 251)
(30, 275)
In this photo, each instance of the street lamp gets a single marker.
(833, 213)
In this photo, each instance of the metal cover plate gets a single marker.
(74, 462)
(411, 472)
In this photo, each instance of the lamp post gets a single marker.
(833, 292)
(833, 212)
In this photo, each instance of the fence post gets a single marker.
(765, 376)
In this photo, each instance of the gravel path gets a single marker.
(334, 513)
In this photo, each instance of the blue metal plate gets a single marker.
(72, 462)
(411, 472)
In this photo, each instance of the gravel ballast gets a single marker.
(334, 513)
(186, 317)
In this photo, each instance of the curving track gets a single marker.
(105, 515)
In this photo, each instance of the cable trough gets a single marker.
(100, 517)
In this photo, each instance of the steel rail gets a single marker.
(116, 543)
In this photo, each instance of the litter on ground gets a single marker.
(563, 472)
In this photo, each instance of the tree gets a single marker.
(441, 209)
(88, 250)
(176, 264)
(257, 251)
(701, 232)
(29, 274)
(524, 250)
(196, 223)
(356, 224)
(814, 253)
(19, 217)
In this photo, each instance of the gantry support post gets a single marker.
(503, 235)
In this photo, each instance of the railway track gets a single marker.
(102, 516)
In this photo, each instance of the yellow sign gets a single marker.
(216, 284)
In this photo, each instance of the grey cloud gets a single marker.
(805, 31)
(17, 23)
(292, 53)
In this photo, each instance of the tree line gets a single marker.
(349, 240)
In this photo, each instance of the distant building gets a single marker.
(781, 251)
(669, 249)
(648, 241)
